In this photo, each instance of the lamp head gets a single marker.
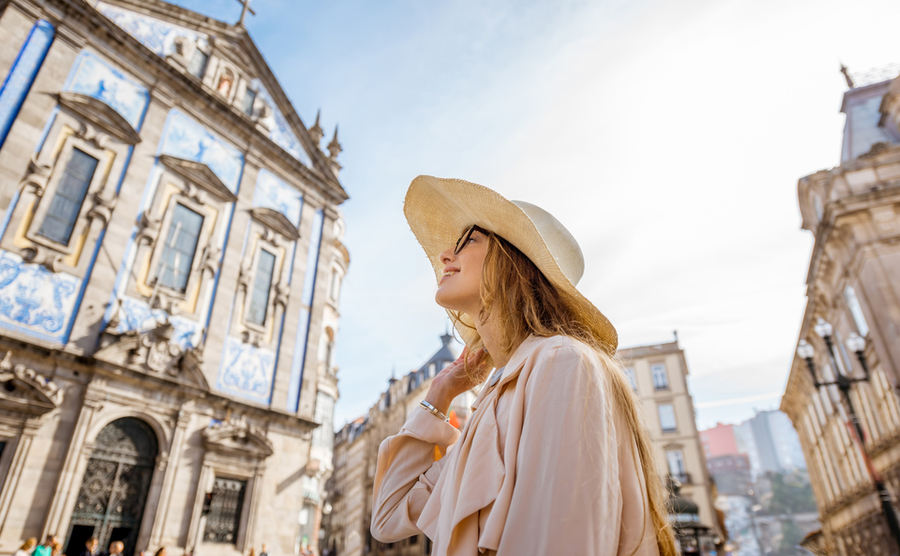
(805, 350)
(823, 328)
(855, 343)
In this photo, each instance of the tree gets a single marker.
(790, 495)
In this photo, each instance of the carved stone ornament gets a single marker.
(200, 175)
(42, 255)
(25, 390)
(153, 352)
(148, 228)
(37, 177)
(236, 437)
(101, 115)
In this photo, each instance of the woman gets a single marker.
(555, 458)
(27, 547)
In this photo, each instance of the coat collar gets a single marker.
(511, 371)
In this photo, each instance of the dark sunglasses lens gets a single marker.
(461, 242)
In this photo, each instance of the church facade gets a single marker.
(170, 269)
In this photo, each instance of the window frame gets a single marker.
(203, 240)
(659, 415)
(262, 239)
(665, 375)
(252, 286)
(105, 159)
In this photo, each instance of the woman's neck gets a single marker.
(491, 337)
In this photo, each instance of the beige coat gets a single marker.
(545, 465)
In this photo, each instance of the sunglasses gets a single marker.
(464, 239)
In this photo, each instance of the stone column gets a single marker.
(29, 430)
(69, 479)
(168, 487)
(197, 519)
(256, 494)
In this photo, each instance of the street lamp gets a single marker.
(856, 344)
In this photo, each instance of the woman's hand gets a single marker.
(456, 379)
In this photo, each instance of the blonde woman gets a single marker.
(27, 547)
(555, 458)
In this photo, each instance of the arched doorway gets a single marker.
(114, 489)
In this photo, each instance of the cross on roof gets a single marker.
(246, 8)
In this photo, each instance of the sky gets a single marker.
(667, 136)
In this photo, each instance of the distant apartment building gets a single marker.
(768, 440)
(731, 474)
(658, 375)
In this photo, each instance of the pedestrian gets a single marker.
(46, 547)
(116, 548)
(161, 551)
(27, 547)
(264, 551)
(554, 458)
(90, 547)
(252, 552)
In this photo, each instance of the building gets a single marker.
(356, 455)
(658, 375)
(169, 224)
(853, 284)
(731, 474)
(767, 439)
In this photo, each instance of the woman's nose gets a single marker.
(447, 256)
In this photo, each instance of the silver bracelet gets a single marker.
(434, 411)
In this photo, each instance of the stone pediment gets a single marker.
(236, 437)
(101, 115)
(25, 390)
(200, 175)
(153, 352)
(276, 221)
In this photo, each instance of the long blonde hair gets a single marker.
(520, 301)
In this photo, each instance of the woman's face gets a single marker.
(459, 287)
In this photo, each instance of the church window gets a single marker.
(667, 417)
(335, 286)
(66, 204)
(225, 508)
(262, 283)
(249, 99)
(862, 327)
(660, 377)
(198, 63)
(177, 257)
(323, 435)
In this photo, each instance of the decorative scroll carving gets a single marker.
(148, 228)
(236, 437)
(282, 294)
(23, 389)
(102, 207)
(37, 177)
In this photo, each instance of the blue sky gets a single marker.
(668, 137)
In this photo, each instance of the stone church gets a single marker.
(170, 269)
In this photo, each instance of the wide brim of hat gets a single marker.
(439, 210)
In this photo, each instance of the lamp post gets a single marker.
(844, 383)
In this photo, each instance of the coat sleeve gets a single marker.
(406, 474)
(567, 498)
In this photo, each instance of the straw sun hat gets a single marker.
(440, 210)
